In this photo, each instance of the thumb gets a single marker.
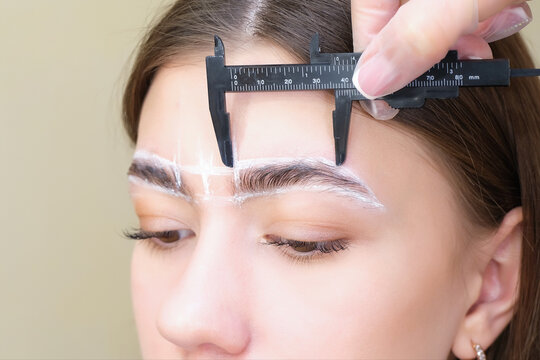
(368, 17)
(418, 36)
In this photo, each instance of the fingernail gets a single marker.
(510, 21)
(373, 77)
(379, 109)
(471, 57)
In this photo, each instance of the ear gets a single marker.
(496, 279)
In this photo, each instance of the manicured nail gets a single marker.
(510, 21)
(373, 77)
(379, 109)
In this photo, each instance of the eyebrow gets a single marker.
(165, 177)
(315, 175)
(254, 180)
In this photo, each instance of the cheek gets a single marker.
(149, 287)
(409, 283)
(144, 301)
(373, 301)
(328, 310)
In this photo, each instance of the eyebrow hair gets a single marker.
(259, 179)
(309, 174)
(165, 177)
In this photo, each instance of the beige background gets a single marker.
(64, 267)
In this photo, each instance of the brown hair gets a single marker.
(488, 138)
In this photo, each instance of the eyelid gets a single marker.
(152, 238)
(309, 231)
(323, 249)
(152, 203)
(155, 217)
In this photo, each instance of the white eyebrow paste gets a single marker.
(367, 197)
(207, 169)
(190, 169)
(136, 180)
(160, 162)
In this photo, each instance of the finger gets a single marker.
(471, 47)
(368, 17)
(488, 8)
(379, 109)
(411, 43)
(507, 22)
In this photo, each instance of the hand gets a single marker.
(401, 40)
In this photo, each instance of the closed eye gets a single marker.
(162, 240)
(306, 251)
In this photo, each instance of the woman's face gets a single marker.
(373, 272)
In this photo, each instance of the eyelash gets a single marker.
(153, 238)
(320, 248)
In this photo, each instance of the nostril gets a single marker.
(210, 351)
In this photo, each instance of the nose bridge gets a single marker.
(208, 303)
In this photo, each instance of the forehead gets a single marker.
(263, 124)
(176, 125)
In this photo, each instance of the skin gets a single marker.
(401, 290)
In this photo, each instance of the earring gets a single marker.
(480, 354)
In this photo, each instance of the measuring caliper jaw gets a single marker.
(333, 71)
(341, 116)
(217, 85)
(409, 97)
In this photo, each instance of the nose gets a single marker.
(205, 312)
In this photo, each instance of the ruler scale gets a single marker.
(334, 71)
